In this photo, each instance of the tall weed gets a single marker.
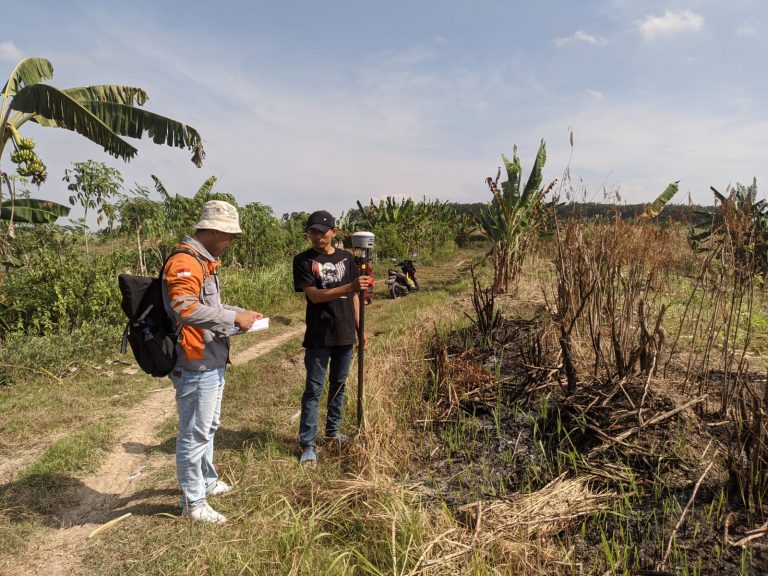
(268, 290)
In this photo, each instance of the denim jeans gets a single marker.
(198, 401)
(316, 361)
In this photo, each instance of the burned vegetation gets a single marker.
(612, 421)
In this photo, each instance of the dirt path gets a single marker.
(25, 455)
(110, 492)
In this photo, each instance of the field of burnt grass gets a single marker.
(656, 489)
(588, 434)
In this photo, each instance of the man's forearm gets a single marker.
(209, 318)
(320, 295)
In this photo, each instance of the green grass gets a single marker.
(42, 489)
(51, 393)
(268, 290)
(78, 453)
(282, 520)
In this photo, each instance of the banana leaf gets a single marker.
(657, 206)
(109, 93)
(160, 187)
(133, 122)
(26, 73)
(534, 180)
(364, 213)
(32, 211)
(719, 196)
(54, 105)
(206, 188)
(511, 188)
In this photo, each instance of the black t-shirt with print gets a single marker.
(328, 323)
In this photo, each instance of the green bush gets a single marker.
(59, 289)
(268, 290)
(427, 230)
(265, 240)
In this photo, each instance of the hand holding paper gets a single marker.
(260, 324)
(245, 318)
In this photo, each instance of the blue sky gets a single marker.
(306, 105)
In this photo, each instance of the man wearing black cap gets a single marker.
(330, 280)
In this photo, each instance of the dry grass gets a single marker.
(537, 515)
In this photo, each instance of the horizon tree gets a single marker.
(92, 185)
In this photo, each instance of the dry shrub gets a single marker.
(610, 278)
(460, 383)
(517, 533)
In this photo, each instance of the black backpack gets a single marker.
(150, 331)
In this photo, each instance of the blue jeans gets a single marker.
(316, 361)
(198, 401)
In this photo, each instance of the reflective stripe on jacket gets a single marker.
(194, 300)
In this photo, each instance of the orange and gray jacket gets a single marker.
(192, 297)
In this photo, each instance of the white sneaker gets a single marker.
(204, 513)
(220, 488)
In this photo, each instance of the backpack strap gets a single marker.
(197, 257)
(124, 342)
(191, 253)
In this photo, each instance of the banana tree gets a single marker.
(388, 211)
(105, 114)
(739, 222)
(181, 212)
(25, 211)
(511, 216)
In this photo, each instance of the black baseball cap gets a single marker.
(321, 221)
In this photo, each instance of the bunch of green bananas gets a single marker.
(29, 163)
(22, 155)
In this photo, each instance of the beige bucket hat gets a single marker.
(221, 216)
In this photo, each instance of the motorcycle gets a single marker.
(402, 282)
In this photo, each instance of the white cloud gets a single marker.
(390, 125)
(9, 52)
(579, 36)
(671, 23)
(746, 29)
(641, 147)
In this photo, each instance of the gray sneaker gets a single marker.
(338, 438)
(308, 458)
(203, 513)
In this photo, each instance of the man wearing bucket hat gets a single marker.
(192, 297)
(330, 280)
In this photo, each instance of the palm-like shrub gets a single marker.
(740, 222)
(513, 217)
